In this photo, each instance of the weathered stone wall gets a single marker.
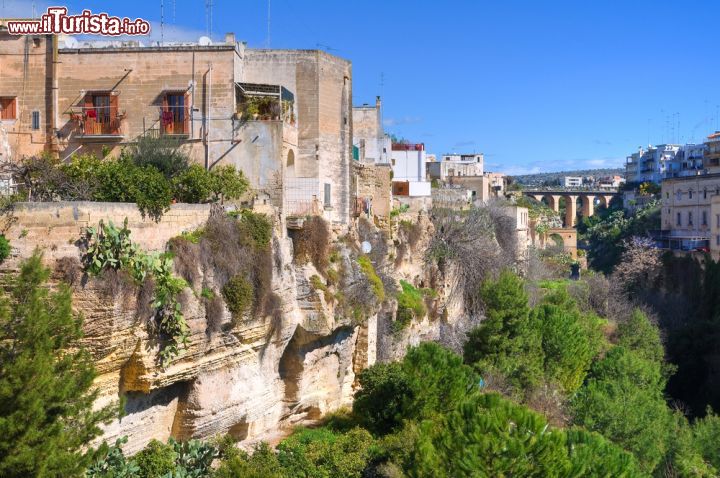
(25, 65)
(373, 181)
(55, 227)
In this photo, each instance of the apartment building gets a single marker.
(652, 164)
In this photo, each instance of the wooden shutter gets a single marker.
(187, 110)
(114, 121)
(89, 122)
(165, 126)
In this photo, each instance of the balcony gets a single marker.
(408, 146)
(98, 123)
(261, 102)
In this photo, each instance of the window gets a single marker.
(690, 194)
(35, 120)
(717, 220)
(690, 220)
(175, 118)
(705, 193)
(327, 195)
(8, 108)
(667, 195)
(717, 240)
(101, 114)
(679, 220)
(704, 218)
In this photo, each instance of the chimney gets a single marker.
(230, 38)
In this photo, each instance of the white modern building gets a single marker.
(572, 181)
(652, 164)
(454, 165)
(409, 166)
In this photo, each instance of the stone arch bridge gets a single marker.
(588, 201)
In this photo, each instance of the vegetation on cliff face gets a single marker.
(110, 248)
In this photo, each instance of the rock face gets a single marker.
(252, 380)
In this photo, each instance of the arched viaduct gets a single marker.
(587, 200)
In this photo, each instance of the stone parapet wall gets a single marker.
(55, 227)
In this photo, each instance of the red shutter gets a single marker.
(186, 104)
(165, 126)
(89, 122)
(114, 121)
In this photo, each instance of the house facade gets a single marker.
(408, 166)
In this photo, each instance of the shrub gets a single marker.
(228, 183)
(238, 294)
(164, 154)
(255, 228)
(375, 281)
(69, 269)
(4, 248)
(410, 305)
(312, 243)
(156, 460)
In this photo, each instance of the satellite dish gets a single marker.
(204, 41)
(366, 247)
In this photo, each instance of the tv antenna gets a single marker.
(208, 18)
(162, 22)
(325, 47)
(268, 25)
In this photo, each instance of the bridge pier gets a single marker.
(570, 210)
(554, 201)
(588, 205)
(605, 200)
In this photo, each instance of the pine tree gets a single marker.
(46, 394)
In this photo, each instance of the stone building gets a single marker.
(370, 142)
(690, 212)
(283, 117)
(318, 175)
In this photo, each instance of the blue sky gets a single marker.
(536, 86)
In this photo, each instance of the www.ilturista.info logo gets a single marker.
(56, 21)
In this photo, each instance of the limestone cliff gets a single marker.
(254, 378)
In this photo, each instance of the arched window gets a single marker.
(290, 165)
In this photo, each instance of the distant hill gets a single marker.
(556, 178)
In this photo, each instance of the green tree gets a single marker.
(570, 340)
(507, 341)
(622, 399)
(46, 393)
(430, 380)
(488, 436)
(641, 336)
(380, 401)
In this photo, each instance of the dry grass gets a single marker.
(312, 243)
(69, 270)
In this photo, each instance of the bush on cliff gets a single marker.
(46, 380)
